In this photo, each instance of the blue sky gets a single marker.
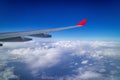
(103, 17)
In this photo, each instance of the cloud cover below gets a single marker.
(87, 59)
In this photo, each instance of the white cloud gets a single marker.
(90, 75)
(7, 74)
(47, 54)
(87, 75)
(102, 70)
(38, 57)
(84, 62)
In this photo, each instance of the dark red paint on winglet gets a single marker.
(82, 23)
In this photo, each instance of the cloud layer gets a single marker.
(82, 57)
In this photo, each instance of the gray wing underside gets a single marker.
(28, 33)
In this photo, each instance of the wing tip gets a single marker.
(82, 23)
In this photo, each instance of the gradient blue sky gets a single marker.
(103, 17)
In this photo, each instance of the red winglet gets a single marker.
(82, 23)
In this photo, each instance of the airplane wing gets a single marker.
(20, 36)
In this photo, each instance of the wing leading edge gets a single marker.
(5, 37)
